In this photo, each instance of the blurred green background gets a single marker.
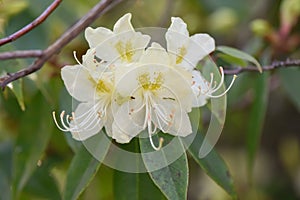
(261, 138)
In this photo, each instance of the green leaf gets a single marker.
(84, 166)
(239, 54)
(135, 186)
(11, 66)
(257, 116)
(213, 165)
(6, 154)
(232, 60)
(35, 130)
(172, 179)
(290, 81)
(16, 88)
(42, 184)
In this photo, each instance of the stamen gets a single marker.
(63, 121)
(88, 123)
(150, 132)
(74, 54)
(162, 115)
(56, 123)
(161, 140)
(221, 82)
(95, 107)
(217, 96)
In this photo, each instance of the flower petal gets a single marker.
(169, 117)
(183, 94)
(125, 47)
(178, 26)
(187, 51)
(200, 46)
(86, 121)
(119, 135)
(199, 87)
(109, 121)
(77, 81)
(123, 24)
(126, 125)
(182, 125)
(97, 36)
(155, 54)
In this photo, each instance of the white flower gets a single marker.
(122, 45)
(92, 88)
(127, 88)
(186, 51)
(91, 82)
(152, 95)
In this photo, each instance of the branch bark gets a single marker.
(32, 25)
(274, 65)
(21, 54)
(98, 10)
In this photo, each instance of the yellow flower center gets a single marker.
(103, 87)
(125, 50)
(148, 84)
(181, 54)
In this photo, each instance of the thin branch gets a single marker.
(32, 25)
(21, 54)
(274, 65)
(98, 10)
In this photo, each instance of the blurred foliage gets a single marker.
(262, 126)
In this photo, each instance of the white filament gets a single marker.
(215, 89)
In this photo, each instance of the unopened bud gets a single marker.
(261, 27)
(290, 11)
(223, 20)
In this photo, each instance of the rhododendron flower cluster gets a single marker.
(126, 84)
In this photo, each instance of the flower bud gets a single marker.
(261, 27)
(289, 11)
(222, 20)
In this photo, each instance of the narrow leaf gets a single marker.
(213, 165)
(16, 88)
(232, 60)
(135, 186)
(6, 154)
(239, 54)
(84, 165)
(42, 184)
(35, 130)
(172, 178)
(257, 116)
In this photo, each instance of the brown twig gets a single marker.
(64, 39)
(21, 54)
(274, 65)
(32, 25)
